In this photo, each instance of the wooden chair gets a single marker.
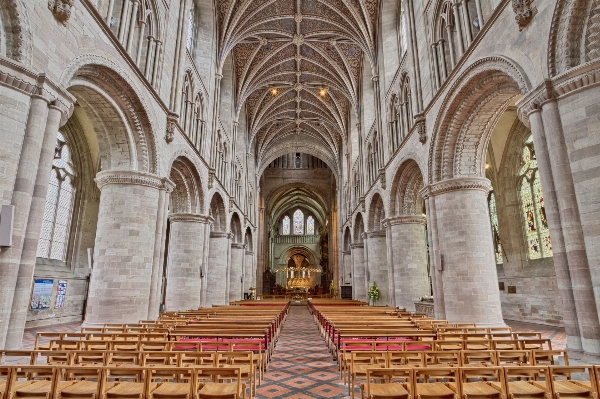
(18, 357)
(55, 358)
(345, 354)
(151, 359)
(505, 344)
(218, 388)
(89, 358)
(527, 381)
(245, 362)
(175, 383)
(428, 383)
(398, 359)
(257, 348)
(45, 336)
(360, 362)
(482, 382)
(549, 357)
(131, 381)
(5, 378)
(388, 383)
(88, 382)
(188, 359)
(514, 358)
(43, 382)
(450, 345)
(563, 386)
(114, 358)
(442, 358)
(479, 358)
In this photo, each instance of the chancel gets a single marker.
(252, 172)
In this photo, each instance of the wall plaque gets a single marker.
(512, 289)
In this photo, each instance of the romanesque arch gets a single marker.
(470, 111)
(376, 213)
(125, 134)
(187, 196)
(16, 39)
(217, 212)
(405, 198)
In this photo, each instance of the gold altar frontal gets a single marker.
(298, 282)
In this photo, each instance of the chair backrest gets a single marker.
(584, 374)
(487, 374)
(549, 357)
(124, 373)
(369, 358)
(435, 374)
(398, 358)
(514, 357)
(54, 357)
(440, 358)
(485, 357)
(198, 358)
(390, 375)
(160, 359)
(219, 374)
(89, 358)
(122, 358)
(529, 373)
(42, 337)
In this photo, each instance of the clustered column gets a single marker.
(470, 280)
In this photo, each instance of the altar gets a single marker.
(298, 282)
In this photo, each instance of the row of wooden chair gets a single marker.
(548, 382)
(96, 382)
(459, 358)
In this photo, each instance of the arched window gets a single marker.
(286, 226)
(56, 223)
(494, 223)
(310, 226)
(532, 205)
(298, 223)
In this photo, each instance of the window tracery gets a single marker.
(533, 210)
(58, 211)
(298, 223)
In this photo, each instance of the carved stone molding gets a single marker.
(61, 9)
(405, 219)
(238, 246)
(190, 218)
(172, 121)
(463, 183)
(573, 80)
(134, 178)
(219, 234)
(524, 12)
(357, 245)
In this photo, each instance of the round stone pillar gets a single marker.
(235, 274)
(470, 280)
(216, 270)
(184, 263)
(409, 259)
(359, 281)
(249, 271)
(120, 283)
(378, 265)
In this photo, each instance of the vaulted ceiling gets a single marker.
(297, 66)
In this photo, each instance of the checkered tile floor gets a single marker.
(302, 367)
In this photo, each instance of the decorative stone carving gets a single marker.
(172, 120)
(382, 177)
(211, 178)
(61, 9)
(298, 17)
(298, 40)
(473, 183)
(421, 128)
(524, 11)
(133, 178)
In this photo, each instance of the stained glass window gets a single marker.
(286, 226)
(56, 222)
(310, 226)
(533, 210)
(298, 223)
(494, 222)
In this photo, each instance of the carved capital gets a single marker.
(61, 10)
(446, 186)
(133, 178)
(405, 219)
(190, 218)
(376, 234)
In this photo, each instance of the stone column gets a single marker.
(409, 252)
(469, 274)
(124, 251)
(377, 264)
(186, 250)
(159, 249)
(216, 270)
(236, 270)
(10, 258)
(559, 254)
(249, 272)
(436, 275)
(568, 208)
(22, 294)
(359, 280)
